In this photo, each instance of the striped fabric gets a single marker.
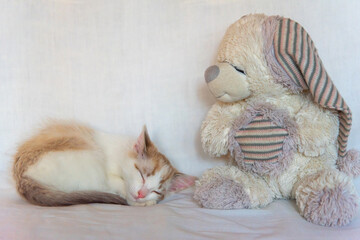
(296, 53)
(261, 140)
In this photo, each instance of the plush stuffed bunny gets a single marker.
(281, 121)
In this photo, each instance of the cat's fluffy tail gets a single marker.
(350, 164)
(40, 195)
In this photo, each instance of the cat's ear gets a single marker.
(181, 181)
(142, 143)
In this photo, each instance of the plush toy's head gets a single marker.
(272, 56)
(242, 70)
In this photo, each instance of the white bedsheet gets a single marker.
(178, 217)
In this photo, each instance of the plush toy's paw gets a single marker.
(215, 143)
(327, 198)
(222, 193)
(216, 127)
(311, 148)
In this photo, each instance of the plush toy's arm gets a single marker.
(317, 129)
(216, 126)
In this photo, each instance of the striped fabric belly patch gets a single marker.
(261, 140)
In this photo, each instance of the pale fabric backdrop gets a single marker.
(117, 65)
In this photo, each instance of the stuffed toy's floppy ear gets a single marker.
(297, 57)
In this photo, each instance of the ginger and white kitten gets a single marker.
(68, 163)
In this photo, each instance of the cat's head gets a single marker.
(154, 177)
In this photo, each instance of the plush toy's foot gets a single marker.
(222, 193)
(327, 198)
(228, 187)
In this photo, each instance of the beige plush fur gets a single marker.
(317, 128)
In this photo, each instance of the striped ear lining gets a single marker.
(296, 53)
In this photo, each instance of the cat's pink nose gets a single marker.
(141, 194)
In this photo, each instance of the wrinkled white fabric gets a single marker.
(118, 64)
(178, 217)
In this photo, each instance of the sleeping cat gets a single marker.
(68, 163)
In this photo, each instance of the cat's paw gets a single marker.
(136, 204)
(141, 204)
(150, 203)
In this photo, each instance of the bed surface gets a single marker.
(177, 217)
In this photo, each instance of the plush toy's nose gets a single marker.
(211, 73)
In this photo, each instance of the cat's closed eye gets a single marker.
(142, 176)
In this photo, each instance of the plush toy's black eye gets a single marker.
(239, 70)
